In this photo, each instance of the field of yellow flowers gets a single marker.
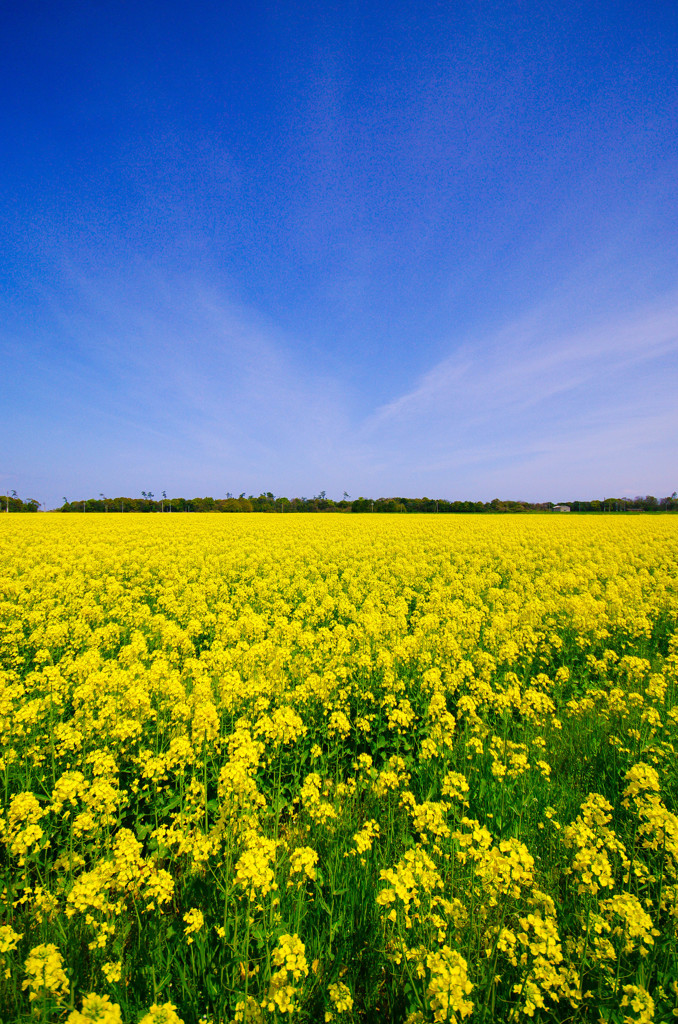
(338, 768)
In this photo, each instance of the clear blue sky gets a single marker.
(397, 248)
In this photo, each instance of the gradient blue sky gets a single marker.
(397, 248)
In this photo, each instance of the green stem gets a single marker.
(495, 956)
(247, 952)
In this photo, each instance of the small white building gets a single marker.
(561, 508)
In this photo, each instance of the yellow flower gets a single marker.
(249, 1013)
(194, 922)
(290, 959)
(641, 1002)
(455, 786)
(165, 1014)
(636, 927)
(96, 1010)
(253, 871)
(112, 971)
(363, 840)
(303, 862)
(45, 974)
(8, 939)
(24, 833)
(340, 997)
(449, 986)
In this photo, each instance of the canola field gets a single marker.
(338, 769)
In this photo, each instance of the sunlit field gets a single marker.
(338, 768)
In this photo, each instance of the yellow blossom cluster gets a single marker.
(45, 976)
(290, 959)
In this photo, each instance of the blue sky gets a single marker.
(407, 248)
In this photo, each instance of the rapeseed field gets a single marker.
(338, 768)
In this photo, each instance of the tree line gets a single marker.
(12, 503)
(268, 502)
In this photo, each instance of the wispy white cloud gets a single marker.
(174, 379)
(535, 405)
(169, 383)
(528, 363)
